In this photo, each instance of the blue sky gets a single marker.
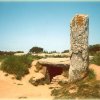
(44, 24)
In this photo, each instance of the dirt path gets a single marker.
(11, 88)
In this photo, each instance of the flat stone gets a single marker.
(55, 62)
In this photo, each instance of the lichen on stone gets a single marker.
(79, 47)
(79, 20)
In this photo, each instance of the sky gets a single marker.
(24, 25)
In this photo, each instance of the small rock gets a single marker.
(37, 79)
(56, 86)
(73, 89)
(6, 74)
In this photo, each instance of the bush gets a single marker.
(31, 57)
(36, 50)
(65, 51)
(96, 59)
(93, 49)
(6, 53)
(91, 74)
(10, 52)
(17, 65)
(2, 57)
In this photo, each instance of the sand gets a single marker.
(11, 88)
(14, 89)
(96, 69)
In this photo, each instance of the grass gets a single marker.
(17, 65)
(96, 59)
(91, 74)
(88, 88)
(2, 57)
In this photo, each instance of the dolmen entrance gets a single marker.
(47, 70)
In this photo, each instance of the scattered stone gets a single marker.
(54, 86)
(6, 74)
(19, 84)
(73, 89)
(23, 97)
(13, 78)
(61, 80)
(37, 79)
(57, 80)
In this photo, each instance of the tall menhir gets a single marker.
(79, 59)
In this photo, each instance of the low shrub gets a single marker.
(96, 59)
(2, 57)
(91, 74)
(88, 88)
(18, 65)
(93, 49)
(85, 91)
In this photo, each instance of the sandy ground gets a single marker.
(14, 89)
(96, 69)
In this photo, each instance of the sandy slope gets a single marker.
(11, 88)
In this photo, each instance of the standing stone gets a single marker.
(79, 59)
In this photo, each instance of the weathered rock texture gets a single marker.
(37, 79)
(79, 47)
(56, 62)
(55, 66)
(50, 70)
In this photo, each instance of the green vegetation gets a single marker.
(84, 89)
(36, 50)
(65, 51)
(52, 52)
(91, 74)
(93, 49)
(9, 52)
(17, 65)
(45, 51)
(96, 59)
(6, 53)
(2, 57)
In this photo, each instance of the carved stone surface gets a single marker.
(79, 58)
